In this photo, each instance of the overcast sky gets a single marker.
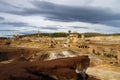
(29, 16)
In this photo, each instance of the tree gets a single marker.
(69, 31)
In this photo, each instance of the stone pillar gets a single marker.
(82, 37)
(118, 56)
(38, 33)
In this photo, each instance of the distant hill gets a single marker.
(63, 34)
(100, 34)
(3, 38)
(58, 34)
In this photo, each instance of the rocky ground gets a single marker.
(105, 72)
(24, 63)
(19, 63)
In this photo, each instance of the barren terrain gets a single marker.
(26, 59)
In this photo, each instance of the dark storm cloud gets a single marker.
(68, 13)
(112, 23)
(8, 30)
(50, 28)
(29, 32)
(54, 27)
(64, 13)
(26, 32)
(1, 18)
(7, 8)
(79, 27)
(16, 24)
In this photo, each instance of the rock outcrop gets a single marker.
(57, 69)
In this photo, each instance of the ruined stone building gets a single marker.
(72, 38)
(82, 37)
(15, 37)
(82, 43)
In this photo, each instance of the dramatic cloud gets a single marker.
(8, 30)
(14, 24)
(62, 15)
(78, 27)
(1, 18)
(50, 28)
(71, 13)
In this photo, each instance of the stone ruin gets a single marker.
(73, 40)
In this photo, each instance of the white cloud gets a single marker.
(113, 5)
(64, 26)
(39, 21)
(110, 4)
(19, 3)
